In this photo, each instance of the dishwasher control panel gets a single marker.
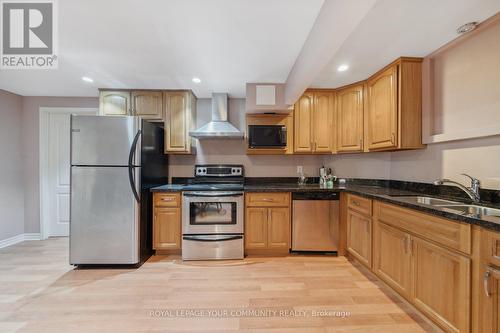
(316, 195)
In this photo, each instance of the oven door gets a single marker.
(212, 212)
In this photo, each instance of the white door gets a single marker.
(59, 173)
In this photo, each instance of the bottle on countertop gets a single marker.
(322, 175)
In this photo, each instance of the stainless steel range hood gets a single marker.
(218, 127)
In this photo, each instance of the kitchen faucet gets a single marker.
(472, 191)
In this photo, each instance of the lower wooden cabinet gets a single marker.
(392, 257)
(489, 280)
(424, 267)
(167, 221)
(490, 300)
(167, 229)
(441, 285)
(267, 229)
(278, 228)
(256, 228)
(359, 236)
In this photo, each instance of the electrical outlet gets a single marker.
(300, 169)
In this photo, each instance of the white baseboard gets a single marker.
(18, 239)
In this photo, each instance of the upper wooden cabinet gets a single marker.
(349, 105)
(180, 110)
(313, 122)
(177, 108)
(147, 104)
(114, 103)
(394, 106)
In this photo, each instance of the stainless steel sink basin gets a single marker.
(473, 210)
(426, 200)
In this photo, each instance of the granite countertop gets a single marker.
(381, 193)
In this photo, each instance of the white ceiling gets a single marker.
(165, 43)
(394, 28)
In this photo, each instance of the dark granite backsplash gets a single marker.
(487, 195)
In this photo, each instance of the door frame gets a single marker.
(43, 168)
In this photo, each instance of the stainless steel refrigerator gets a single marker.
(114, 163)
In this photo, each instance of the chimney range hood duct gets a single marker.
(218, 127)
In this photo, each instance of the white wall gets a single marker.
(11, 166)
(234, 151)
(31, 158)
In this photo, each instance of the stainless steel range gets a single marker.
(212, 218)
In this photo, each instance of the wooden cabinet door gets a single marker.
(441, 286)
(490, 303)
(278, 228)
(177, 122)
(147, 104)
(359, 237)
(256, 228)
(323, 122)
(167, 229)
(303, 126)
(383, 109)
(114, 103)
(350, 119)
(392, 257)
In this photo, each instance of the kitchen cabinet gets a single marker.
(350, 125)
(147, 104)
(489, 278)
(114, 103)
(278, 224)
(166, 221)
(167, 229)
(425, 259)
(359, 237)
(180, 110)
(267, 223)
(392, 257)
(256, 228)
(441, 287)
(313, 122)
(394, 106)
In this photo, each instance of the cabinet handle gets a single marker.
(355, 203)
(393, 136)
(167, 199)
(267, 199)
(406, 244)
(486, 279)
(361, 143)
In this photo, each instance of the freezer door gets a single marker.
(101, 140)
(104, 225)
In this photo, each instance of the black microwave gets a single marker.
(266, 136)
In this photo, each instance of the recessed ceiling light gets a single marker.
(87, 79)
(343, 68)
(467, 27)
(196, 80)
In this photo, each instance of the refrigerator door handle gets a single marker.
(131, 166)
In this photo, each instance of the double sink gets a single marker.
(455, 207)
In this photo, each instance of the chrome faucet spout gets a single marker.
(472, 191)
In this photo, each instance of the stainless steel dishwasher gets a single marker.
(315, 221)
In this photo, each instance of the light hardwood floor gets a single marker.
(40, 292)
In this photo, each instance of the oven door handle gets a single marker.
(212, 238)
(214, 194)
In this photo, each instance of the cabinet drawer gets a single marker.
(359, 204)
(491, 247)
(454, 235)
(167, 199)
(275, 199)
